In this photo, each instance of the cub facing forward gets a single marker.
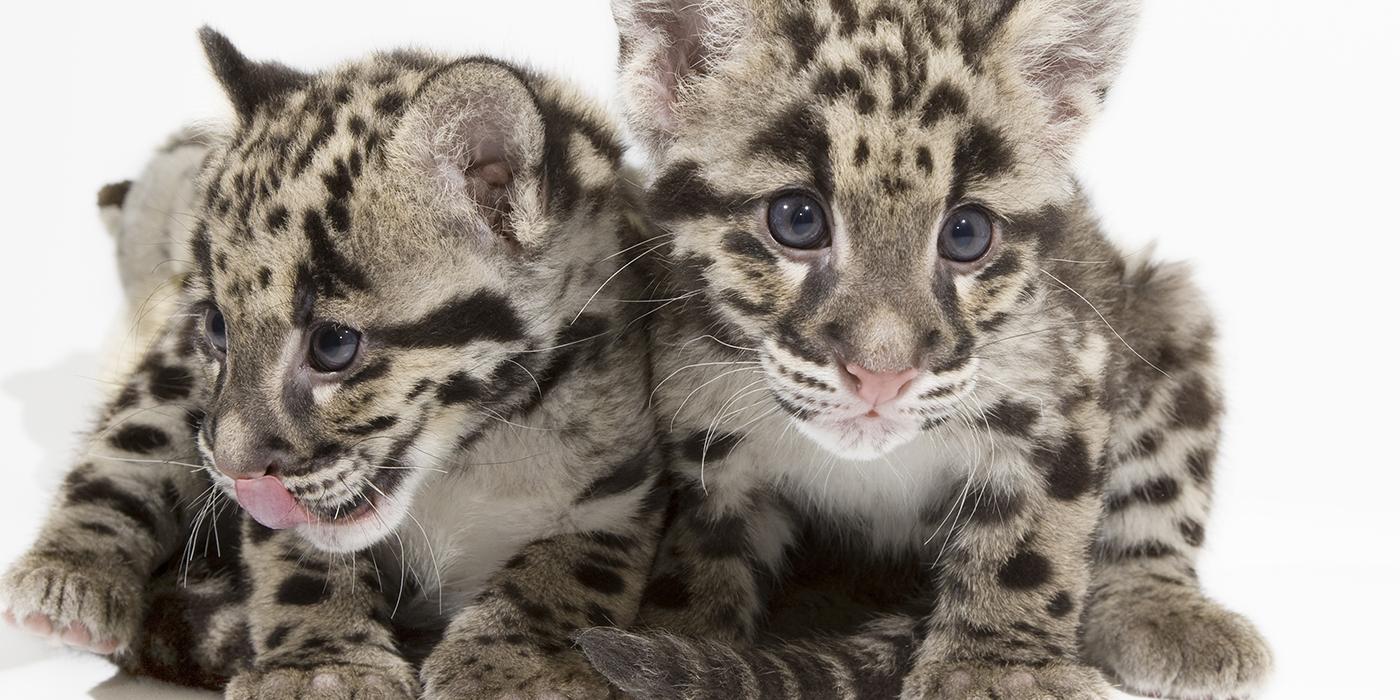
(386, 360)
(908, 349)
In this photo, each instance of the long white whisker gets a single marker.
(1103, 318)
(613, 276)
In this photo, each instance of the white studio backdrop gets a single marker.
(1255, 138)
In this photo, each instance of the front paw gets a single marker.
(1163, 639)
(92, 606)
(496, 669)
(983, 681)
(329, 681)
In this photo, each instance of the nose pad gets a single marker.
(879, 388)
(268, 465)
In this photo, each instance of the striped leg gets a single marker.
(1010, 582)
(1148, 624)
(124, 511)
(516, 640)
(318, 623)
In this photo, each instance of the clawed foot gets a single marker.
(1159, 638)
(330, 682)
(87, 608)
(1057, 681)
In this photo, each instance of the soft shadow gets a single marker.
(124, 687)
(57, 403)
(19, 648)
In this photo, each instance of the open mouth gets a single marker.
(269, 502)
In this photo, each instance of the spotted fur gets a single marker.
(482, 481)
(1050, 462)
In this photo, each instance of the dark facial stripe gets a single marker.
(681, 192)
(799, 131)
(1008, 263)
(464, 320)
(744, 245)
(378, 425)
(339, 184)
(277, 219)
(973, 39)
(331, 269)
(372, 371)
(805, 38)
(792, 409)
(981, 153)
(202, 253)
(944, 101)
(459, 389)
(744, 305)
(838, 83)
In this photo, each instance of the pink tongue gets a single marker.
(269, 502)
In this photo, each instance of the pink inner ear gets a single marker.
(495, 174)
(487, 183)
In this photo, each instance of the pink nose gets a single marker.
(879, 388)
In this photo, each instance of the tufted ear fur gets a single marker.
(1068, 52)
(476, 132)
(248, 84)
(665, 46)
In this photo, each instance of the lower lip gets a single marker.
(355, 516)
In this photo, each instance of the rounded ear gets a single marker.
(665, 47)
(1068, 52)
(476, 133)
(247, 83)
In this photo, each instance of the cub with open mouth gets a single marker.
(396, 361)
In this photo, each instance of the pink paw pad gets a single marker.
(38, 624)
(76, 634)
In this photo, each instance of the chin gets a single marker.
(861, 438)
(354, 535)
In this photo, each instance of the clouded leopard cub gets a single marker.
(907, 357)
(389, 358)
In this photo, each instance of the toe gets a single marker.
(105, 647)
(76, 634)
(38, 623)
(1017, 682)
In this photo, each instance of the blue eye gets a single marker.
(798, 221)
(966, 235)
(214, 330)
(333, 348)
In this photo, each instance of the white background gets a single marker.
(1256, 138)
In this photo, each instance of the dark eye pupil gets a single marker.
(966, 236)
(798, 221)
(804, 220)
(333, 348)
(215, 331)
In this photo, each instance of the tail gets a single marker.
(871, 663)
